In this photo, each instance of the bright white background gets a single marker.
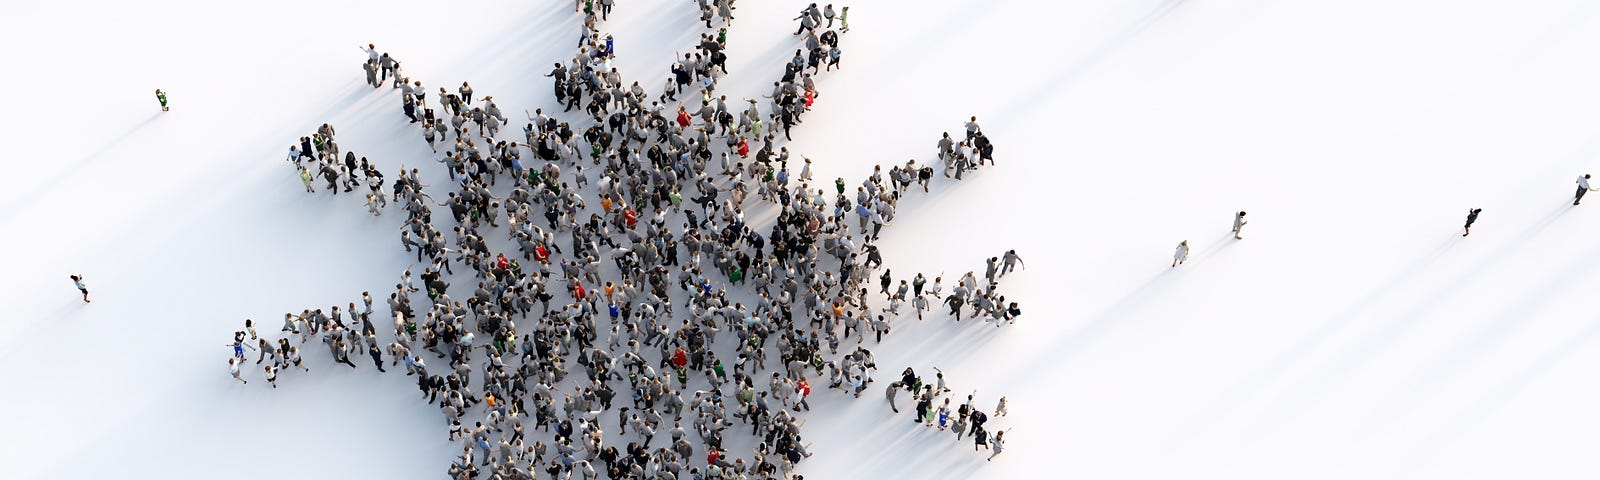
(1352, 334)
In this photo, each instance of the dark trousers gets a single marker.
(1579, 198)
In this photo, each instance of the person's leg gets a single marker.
(1579, 198)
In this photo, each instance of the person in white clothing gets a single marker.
(233, 368)
(1181, 254)
(1238, 223)
(1583, 187)
(997, 443)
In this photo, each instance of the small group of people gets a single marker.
(318, 155)
(933, 410)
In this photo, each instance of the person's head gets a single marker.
(74, 277)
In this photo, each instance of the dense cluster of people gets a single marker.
(590, 279)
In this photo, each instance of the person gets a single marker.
(272, 375)
(997, 444)
(1583, 187)
(1010, 261)
(1181, 254)
(162, 97)
(1000, 410)
(894, 387)
(1238, 223)
(1472, 216)
(233, 368)
(77, 281)
(844, 20)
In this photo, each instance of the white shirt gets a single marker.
(1583, 182)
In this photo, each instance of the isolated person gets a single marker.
(1472, 216)
(1182, 253)
(1238, 223)
(162, 97)
(77, 281)
(1583, 187)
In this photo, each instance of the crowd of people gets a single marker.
(587, 278)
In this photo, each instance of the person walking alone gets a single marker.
(162, 97)
(1583, 187)
(1182, 253)
(1472, 216)
(77, 281)
(1238, 223)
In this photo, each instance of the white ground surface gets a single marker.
(1353, 334)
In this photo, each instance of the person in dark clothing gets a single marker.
(1472, 216)
(377, 357)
